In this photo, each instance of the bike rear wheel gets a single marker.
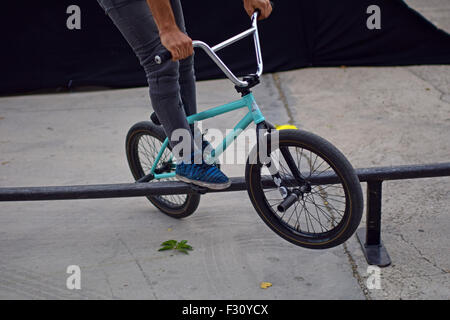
(143, 142)
(325, 214)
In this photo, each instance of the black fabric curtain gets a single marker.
(40, 52)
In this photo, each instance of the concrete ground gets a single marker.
(376, 116)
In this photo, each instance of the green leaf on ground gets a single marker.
(181, 246)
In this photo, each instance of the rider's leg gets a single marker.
(186, 70)
(136, 23)
(168, 88)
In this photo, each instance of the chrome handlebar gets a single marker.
(212, 52)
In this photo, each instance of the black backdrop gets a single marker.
(39, 52)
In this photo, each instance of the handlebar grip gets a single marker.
(163, 57)
(271, 4)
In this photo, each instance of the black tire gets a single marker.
(140, 162)
(321, 199)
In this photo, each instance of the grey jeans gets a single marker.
(172, 84)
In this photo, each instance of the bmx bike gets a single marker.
(311, 197)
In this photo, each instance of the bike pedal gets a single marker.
(155, 119)
(198, 189)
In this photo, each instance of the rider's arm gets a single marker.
(263, 5)
(177, 42)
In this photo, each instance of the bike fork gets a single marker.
(282, 187)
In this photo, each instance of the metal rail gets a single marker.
(126, 190)
(369, 237)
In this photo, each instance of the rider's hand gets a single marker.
(263, 5)
(177, 42)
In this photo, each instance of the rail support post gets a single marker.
(370, 237)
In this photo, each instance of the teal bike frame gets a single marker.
(254, 115)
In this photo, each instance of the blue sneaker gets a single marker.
(204, 175)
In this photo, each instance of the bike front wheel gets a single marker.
(327, 211)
